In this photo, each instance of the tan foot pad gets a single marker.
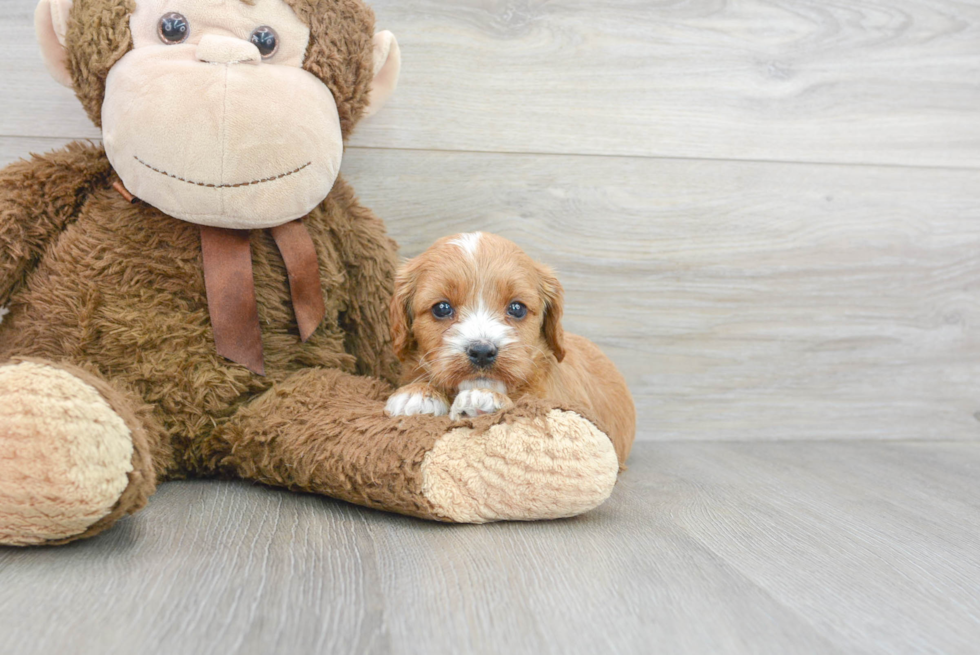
(521, 471)
(64, 455)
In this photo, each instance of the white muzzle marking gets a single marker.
(479, 325)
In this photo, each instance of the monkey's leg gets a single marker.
(326, 432)
(75, 453)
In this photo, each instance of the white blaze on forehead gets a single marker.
(468, 242)
(479, 325)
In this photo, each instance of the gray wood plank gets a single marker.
(875, 82)
(866, 82)
(34, 104)
(741, 300)
(703, 548)
(838, 303)
(844, 551)
(237, 569)
(207, 568)
(860, 82)
(14, 148)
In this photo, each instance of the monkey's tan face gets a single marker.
(211, 119)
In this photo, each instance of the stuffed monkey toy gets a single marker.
(202, 295)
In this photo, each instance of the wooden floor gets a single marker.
(767, 212)
(704, 548)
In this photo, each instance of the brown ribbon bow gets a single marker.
(231, 288)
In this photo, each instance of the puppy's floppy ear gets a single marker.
(400, 310)
(554, 305)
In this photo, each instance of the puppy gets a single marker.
(476, 322)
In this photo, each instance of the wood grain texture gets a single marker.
(837, 303)
(845, 535)
(741, 300)
(871, 81)
(879, 81)
(703, 548)
(14, 148)
(34, 104)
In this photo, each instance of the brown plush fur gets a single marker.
(325, 432)
(114, 293)
(122, 288)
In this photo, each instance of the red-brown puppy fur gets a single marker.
(476, 323)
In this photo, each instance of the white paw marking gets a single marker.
(476, 402)
(483, 383)
(411, 403)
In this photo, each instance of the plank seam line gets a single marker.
(677, 158)
(733, 160)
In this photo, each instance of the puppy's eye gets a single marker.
(517, 310)
(266, 40)
(442, 310)
(173, 28)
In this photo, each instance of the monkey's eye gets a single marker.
(266, 40)
(442, 310)
(517, 310)
(173, 28)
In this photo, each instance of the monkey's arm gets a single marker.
(370, 259)
(533, 461)
(38, 199)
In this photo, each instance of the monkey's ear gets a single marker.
(51, 25)
(387, 65)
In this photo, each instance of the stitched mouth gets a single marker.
(224, 186)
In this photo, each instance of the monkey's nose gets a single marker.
(482, 354)
(215, 49)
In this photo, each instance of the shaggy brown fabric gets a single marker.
(324, 431)
(340, 50)
(147, 453)
(117, 290)
(120, 292)
(38, 199)
(122, 288)
(98, 36)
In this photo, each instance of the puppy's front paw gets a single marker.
(416, 399)
(475, 402)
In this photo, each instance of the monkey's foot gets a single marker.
(66, 456)
(554, 466)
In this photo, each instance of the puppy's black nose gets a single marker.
(482, 353)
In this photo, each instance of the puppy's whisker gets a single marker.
(425, 366)
(537, 350)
